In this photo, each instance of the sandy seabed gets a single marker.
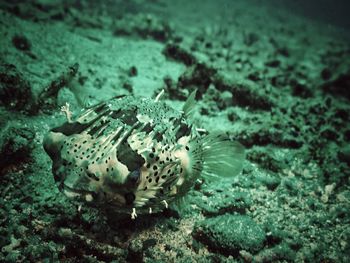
(274, 81)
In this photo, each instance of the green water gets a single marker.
(274, 77)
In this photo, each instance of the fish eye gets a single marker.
(134, 176)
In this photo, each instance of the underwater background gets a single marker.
(273, 75)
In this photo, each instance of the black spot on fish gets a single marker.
(148, 128)
(69, 129)
(129, 117)
(116, 114)
(129, 157)
(97, 128)
(92, 175)
(100, 108)
(183, 129)
(158, 137)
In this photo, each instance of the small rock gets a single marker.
(21, 43)
(228, 234)
(132, 71)
(65, 232)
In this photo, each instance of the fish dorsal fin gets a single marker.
(189, 106)
(157, 98)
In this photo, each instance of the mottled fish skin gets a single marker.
(128, 153)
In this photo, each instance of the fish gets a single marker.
(136, 155)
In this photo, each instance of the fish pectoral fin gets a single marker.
(220, 156)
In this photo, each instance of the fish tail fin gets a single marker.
(219, 156)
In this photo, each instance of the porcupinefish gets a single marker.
(136, 155)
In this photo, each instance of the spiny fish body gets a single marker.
(136, 155)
